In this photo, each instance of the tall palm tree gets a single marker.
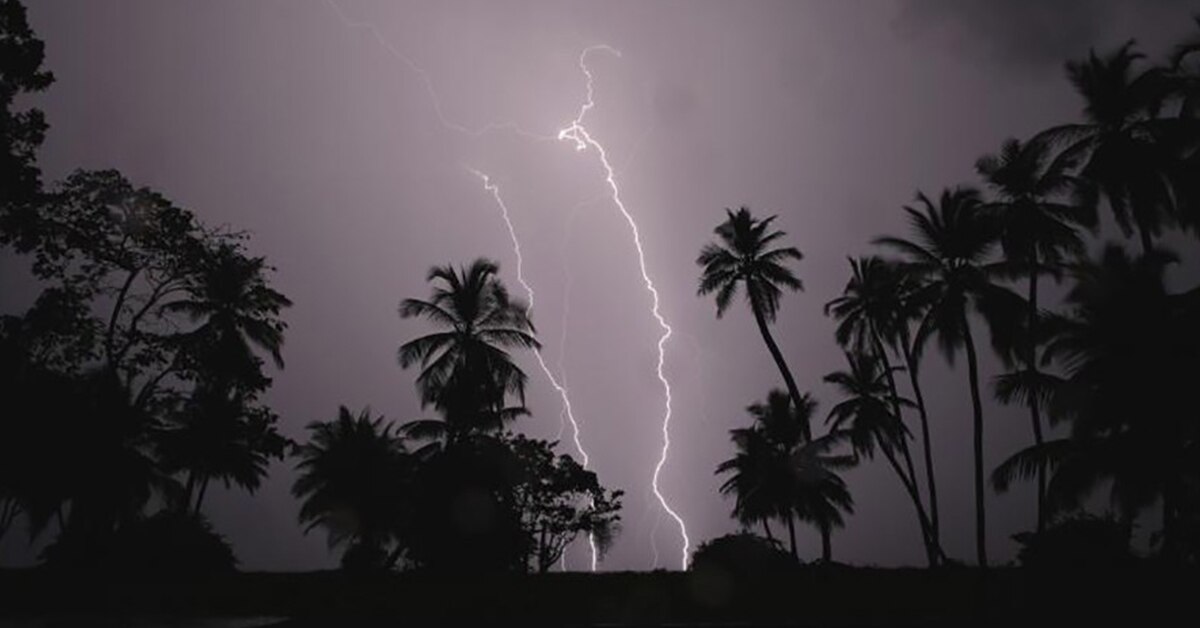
(743, 259)
(1034, 209)
(353, 474)
(1123, 145)
(467, 373)
(948, 256)
(1130, 349)
(875, 309)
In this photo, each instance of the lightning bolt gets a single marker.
(494, 190)
(578, 133)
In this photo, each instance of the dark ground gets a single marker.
(813, 596)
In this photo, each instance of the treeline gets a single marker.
(1113, 368)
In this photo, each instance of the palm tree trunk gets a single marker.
(767, 529)
(1034, 407)
(793, 390)
(929, 531)
(932, 550)
(910, 361)
(826, 544)
(200, 497)
(977, 427)
(791, 524)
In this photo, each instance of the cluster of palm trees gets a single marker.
(459, 491)
(1112, 367)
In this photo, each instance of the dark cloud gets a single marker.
(1034, 34)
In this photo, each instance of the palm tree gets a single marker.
(1131, 350)
(756, 481)
(780, 474)
(821, 495)
(239, 310)
(223, 434)
(866, 416)
(875, 309)
(1124, 146)
(1037, 233)
(467, 373)
(353, 475)
(742, 258)
(953, 238)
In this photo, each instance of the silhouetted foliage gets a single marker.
(779, 474)
(876, 309)
(1077, 542)
(741, 556)
(355, 483)
(21, 131)
(168, 543)
(743, 260)
(466, 372)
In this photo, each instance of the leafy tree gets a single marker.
(467, 373)
(21, 132)
(559, 500)
(743, 259)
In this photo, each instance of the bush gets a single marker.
(167, 543)
(1081, 541)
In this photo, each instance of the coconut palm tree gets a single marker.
(237, 310)
(754, 483)
(1124, 146)
(875, 310)
(353, 475)
(1033, 206)
(948, 256)
(742, 259)
(467, 372)
(866, 417)
(1130, 349)
(222, 432)
(820, 494)
(779, 474)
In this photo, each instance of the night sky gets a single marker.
(285, 119)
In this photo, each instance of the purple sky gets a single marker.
(278, 117)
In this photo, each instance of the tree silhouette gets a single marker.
(778, 473)
(467, 373)
(948, 258)
(821, 494)
(1122, 146)
(866, 416)
(353, 480)
(1130, 349)
(742, 259)
(1034, 209)
(21, 132)
(223, 433)
(559, 500)
(876, 308)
